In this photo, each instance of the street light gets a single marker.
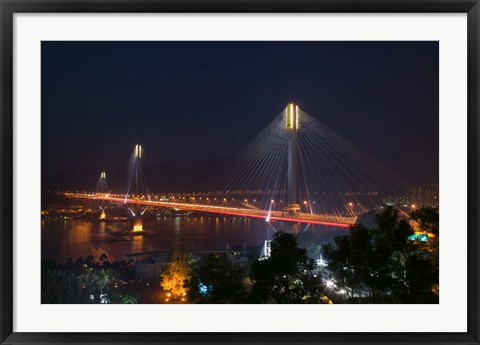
(330, 284)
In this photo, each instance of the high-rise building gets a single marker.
(421, 195)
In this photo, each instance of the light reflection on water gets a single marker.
(64, 239)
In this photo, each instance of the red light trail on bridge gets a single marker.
(326, 220)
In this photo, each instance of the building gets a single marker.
(239, 262)
(152, 267)
(422, 195)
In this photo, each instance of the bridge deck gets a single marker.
(298, 217)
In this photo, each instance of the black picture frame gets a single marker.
(7, 10)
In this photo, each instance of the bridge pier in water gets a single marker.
(137, 220)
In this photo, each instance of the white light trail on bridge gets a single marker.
(326, 220)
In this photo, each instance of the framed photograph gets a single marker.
(239, 172)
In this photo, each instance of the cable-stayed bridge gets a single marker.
(295, 170)
(298, 217)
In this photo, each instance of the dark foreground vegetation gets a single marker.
(395, 261)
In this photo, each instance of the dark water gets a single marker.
(64, 239)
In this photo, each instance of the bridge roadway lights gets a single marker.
(292, 209)
(327, 220)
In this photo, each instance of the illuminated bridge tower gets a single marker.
(103, 184)
(291, 126)
(137, 180)
(102, 189)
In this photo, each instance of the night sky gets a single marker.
(190, 102)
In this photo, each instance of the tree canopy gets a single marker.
(177, 273)
(381, 264)
(215, 281)
(288, 276)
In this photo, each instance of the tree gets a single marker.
(75, 285)
(119, 297)
(215, 281)
(381, 265)
(288, 276)
(130, 299)
(351, 260)
(423, 267)
(177, 273)
(428, 219)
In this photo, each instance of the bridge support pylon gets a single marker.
(137, 217)
(137, 221)
(292, 126)
(102, 188)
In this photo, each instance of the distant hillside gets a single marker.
(160, 179)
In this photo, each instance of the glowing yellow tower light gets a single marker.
(292, 117)
(103, 175)
(297, 116)
(138, 151)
